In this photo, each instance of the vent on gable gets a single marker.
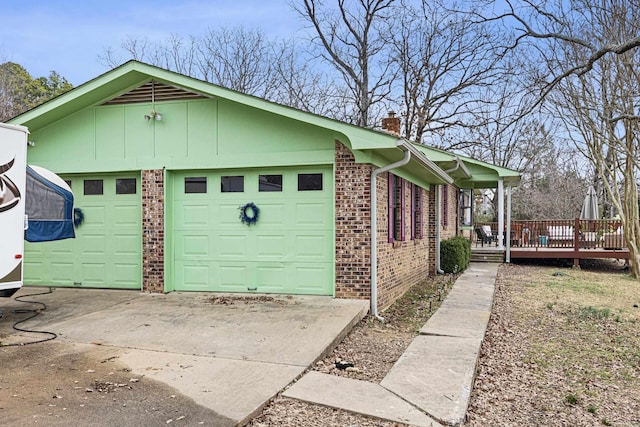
(154, 92)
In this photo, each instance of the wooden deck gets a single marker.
(567, 239)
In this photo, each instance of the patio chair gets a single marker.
(485, 235)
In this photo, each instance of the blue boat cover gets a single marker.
(49, 207)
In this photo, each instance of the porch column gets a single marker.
(500, 214)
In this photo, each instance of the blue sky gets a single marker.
(68, 36)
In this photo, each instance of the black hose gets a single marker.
(35, 312)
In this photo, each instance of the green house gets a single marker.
(182, 185)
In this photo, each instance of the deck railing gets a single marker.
(563, 233)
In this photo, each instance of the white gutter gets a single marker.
(460, 165)
(374, 231)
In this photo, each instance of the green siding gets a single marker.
(289, 250)
(202, 125)
(192, 134)
(138, 134)
(109, 134)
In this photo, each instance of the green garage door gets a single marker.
(107, 250)
(289, 250)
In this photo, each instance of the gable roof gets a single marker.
(132, 81)
(368, 145)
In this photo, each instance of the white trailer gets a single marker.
(13, 170)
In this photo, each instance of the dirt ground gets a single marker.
(61, 384)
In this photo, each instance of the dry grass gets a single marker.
(563, 348)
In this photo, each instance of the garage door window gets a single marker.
(232, 184)
(195, 185)
(309, 181)
(126, 186)
(93, 187)
(270, 183)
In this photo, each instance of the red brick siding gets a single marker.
(153, 230)
(400, 264)
(448, 231)
(353, 235)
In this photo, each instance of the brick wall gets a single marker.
(353, 235)
(446, 231)
(153, 230)
(401, 264)
(451, 228)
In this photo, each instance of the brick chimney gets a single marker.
(391, 124)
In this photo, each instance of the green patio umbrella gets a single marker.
(590, 205)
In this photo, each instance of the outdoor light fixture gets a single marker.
(153, 115)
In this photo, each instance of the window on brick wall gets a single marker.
(445, 205)
(416, 212)
(466, 206)
(396, 208)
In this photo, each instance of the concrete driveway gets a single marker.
(229, 353)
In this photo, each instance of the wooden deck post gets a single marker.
(576, 242)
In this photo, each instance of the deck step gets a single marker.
(485, 256)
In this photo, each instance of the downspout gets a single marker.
(439, 269)
(374, 231)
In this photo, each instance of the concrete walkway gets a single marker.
(430, 385)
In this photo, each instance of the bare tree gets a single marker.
(543, 26)
(240, 59)
(350, 38)
(445, 62)
(588, 47)
(244, 60)
(303, 87)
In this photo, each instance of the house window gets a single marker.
(270, 183)
(232, 184)
(68, 181)
(396, 208)
(466, 205)
(309, 181)
(195, 184)
(416, 212)
(445, 206)
(126, 186)
(93, 187)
